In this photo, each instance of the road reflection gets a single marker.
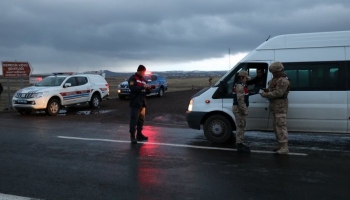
(148, 173)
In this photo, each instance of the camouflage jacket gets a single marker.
(241, 97)
(278, 93)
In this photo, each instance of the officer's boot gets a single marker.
(276, 148)
(141, 137)
(242, 148)
(133, 139)
(284, 148)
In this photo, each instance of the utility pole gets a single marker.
(229, 58)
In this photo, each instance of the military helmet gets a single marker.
(276, 67)
(244, 74)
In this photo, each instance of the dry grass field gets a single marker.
(174, 84)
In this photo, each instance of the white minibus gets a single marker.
(318, 67)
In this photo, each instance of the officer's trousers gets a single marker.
(280, 127)
(137, 118)
(240, 124)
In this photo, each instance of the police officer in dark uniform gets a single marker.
(138, 90)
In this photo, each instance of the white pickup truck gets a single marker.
(59, 90)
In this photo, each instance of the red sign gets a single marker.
(16, 69)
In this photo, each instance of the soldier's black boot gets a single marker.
(141, 137)
(241, 148)
(133, 139)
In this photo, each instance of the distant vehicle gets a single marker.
(160, 83)
(61, 89)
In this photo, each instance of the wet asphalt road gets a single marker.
(47, 158)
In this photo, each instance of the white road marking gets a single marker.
(13, 197)
(174, 145)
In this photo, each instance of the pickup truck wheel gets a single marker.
(218, 129)
(95, 101)
(161, 92)
(53, 107)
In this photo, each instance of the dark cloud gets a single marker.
(84, 33)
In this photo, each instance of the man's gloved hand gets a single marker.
(264, 94)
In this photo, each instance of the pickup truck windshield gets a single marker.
(51, 81)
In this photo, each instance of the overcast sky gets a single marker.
(164, 35)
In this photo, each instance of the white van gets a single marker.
(61, 89)
(318, 66)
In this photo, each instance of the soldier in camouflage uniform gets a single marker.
(240, 109)
(277, 94)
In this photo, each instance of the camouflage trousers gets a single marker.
(240, 124)
(280, 127)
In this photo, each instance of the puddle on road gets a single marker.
(93, 112)
(83, 112)
(169, 118)
(65, 112)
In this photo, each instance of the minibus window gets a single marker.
(230, 79)
(316, 76)
(347, 75)
(258, 77)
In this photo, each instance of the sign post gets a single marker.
(15, 70)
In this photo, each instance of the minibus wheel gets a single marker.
(217, 129)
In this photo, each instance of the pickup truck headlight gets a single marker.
(38, 94)
(190, 105)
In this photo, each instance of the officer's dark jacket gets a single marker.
(137, 91)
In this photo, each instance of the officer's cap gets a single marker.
(141, 68)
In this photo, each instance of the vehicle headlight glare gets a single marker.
(190, 105)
